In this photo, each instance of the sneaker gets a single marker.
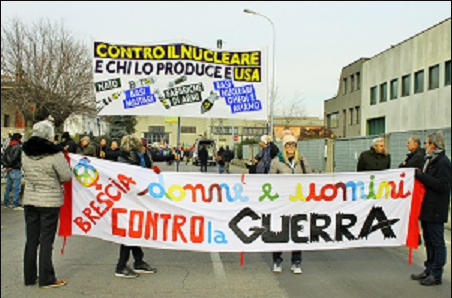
(144, 268)
(277, 268)
(19, 208)
(126, 273)
(296, 268)
(5, 207)
(56, 284)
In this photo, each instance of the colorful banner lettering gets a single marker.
(240, 213)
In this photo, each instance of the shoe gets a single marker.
(296, 268)
(56, 284)
(419, 276)
(431, 281)
(126, 273)
(144, 268)
(5, 207)
(277, 268)
(19, 208)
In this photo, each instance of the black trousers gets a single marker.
(203, 167)
(296, 257)
(435, 247)
(41, 226)
(124, 255)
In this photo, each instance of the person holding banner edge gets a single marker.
(289, 161)
(436, 177)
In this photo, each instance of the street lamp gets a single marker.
(272, 96)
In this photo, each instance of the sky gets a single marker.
(314, 40)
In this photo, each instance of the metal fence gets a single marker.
(347, 151)
(314, 151)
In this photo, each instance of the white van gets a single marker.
(211, 148)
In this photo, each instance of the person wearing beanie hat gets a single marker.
(12, 162)
(45, 170)
(289, 161)
(68, 144)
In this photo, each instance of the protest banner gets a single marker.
(240, 213)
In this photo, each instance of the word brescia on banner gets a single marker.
(234, 213)
(179, 79)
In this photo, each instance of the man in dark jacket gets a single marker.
(436, 178)
(203, 155)
(12, 162)
(68, 144)
(228, 156)
(414, 159)
(113, 153)
(375, 159)
(264, 158)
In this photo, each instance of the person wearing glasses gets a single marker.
(436, 177)
(289, 161)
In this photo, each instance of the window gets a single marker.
(254, 131)
(352, 83)
(358, 115)
(447, 73)
(351, 116)
(156, 129)
(394, 88)
(376, 126)
(406, 86)
(433, 77)
(345, 85)
(6, 120)
(333, 120)
(226, 130)
(373, 95)
(384, 92)
(188, 129)
(419, 82)
(358, 81)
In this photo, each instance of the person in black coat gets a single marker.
(375, 159)
(113, 152)
(414, 159)
(133, 153)
(203, 158)
(12, 162)
(68, 144)
(436, 177)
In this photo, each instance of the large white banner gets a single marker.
(179, 79)
(240, 213)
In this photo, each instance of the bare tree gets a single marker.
(52, 71)
(289, 108)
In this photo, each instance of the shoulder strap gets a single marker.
(303, 166)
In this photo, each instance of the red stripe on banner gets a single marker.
(66, 210)
(412, 240)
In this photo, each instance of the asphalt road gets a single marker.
(88, 265)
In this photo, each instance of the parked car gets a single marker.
(211, 148)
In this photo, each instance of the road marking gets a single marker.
(218, 267)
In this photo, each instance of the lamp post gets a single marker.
(272, 96)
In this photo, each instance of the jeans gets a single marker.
(296, 257)
(41, 228)
(13, 182)
(435, 247)
(222, 169)
(124, 254)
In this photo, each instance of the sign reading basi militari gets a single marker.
(179, 79)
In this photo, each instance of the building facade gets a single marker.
(343, 112)
(160, 130)
(407, 87)
(404, 88)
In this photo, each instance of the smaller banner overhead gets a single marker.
(179, 79)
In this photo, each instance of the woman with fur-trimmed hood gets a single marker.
(45, 170)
